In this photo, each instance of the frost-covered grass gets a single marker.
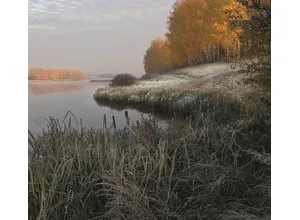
(185, 75)
(179, 101)
(206, 69)
(207, 167)
(216, 164)
(185, 90)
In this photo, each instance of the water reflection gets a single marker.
(55, 99)
(46, 88)
(162, 117)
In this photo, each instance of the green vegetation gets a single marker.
(123, 79)
(213, 165)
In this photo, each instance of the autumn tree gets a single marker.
(256, 39)
(53, 74)
(158, 57)
(199, 30)
(229, 35)
(256, 35)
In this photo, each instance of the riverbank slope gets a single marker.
(185, 89)
(216, 164)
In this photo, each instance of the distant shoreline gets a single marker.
(70, 80)
(54, 80)
(101, 80)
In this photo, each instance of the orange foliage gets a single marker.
(199, 31)
(158, 56)
(54, 74)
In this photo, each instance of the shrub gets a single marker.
(123, 79)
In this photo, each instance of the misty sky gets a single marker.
(94, 36)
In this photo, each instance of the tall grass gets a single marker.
(181, 102)
(210, 166)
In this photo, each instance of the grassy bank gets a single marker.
(182, 102)
(211, 167)
(189, 90)
(215, 164)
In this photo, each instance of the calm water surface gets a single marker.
(55, 99)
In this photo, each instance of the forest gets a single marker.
(203, 31)
(54, 74)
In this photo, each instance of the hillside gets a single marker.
(217, 77)
(54, 74)
(227, 115)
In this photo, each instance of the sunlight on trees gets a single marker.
(158, 56)
(202, 31)
(54, 74)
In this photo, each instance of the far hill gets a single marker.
(55, 74)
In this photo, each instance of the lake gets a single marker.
(55, 99)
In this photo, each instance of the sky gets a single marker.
(94, 36)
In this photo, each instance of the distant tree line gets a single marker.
(202, 31)
(54, 74)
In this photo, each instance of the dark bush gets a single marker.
(123, 79)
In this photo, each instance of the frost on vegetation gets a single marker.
(205, 69)
(152, 97)
(134, 98)
(185, 75)
(180, 86)
(164, 82)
